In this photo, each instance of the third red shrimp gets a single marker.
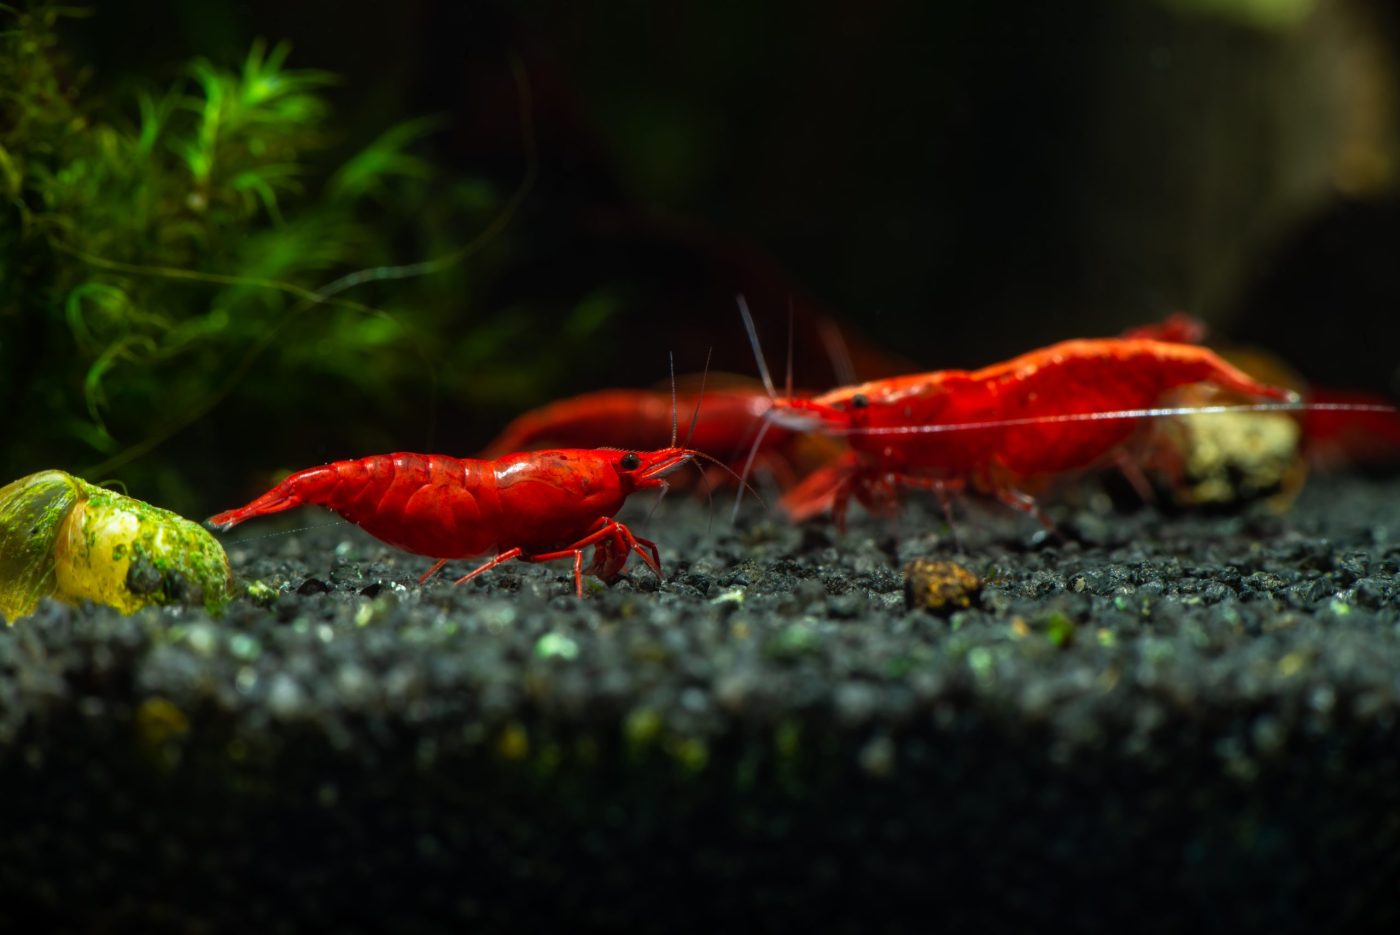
(1004, 429)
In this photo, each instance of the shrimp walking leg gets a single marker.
(610, 554)
(613, 542)
(1026, 504)
(505, 556)
(944, 490)
(1131, 469)
(434, 570)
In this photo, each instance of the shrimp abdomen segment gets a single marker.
(429, 504)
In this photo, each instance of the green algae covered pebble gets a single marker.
(64, 538)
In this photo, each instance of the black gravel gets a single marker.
(1155, 721)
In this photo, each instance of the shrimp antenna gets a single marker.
(767, 417)
(838, 352)
(695, 457)
(709, 491)
(748, 466)
(695, 416)
(661, 495)
(787, 386)
(702, 456)
(671, 361)
(1116, 414)
(757, 350)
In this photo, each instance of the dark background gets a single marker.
(952, 182)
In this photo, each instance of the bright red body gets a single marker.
(1001, 421)
(536, 506)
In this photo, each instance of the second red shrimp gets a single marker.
(727, 424)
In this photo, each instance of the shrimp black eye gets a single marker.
(630, 461)
(860, 401)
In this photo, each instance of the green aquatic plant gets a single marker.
(160, 249)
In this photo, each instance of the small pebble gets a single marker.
(939, 586)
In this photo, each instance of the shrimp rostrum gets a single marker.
(1003, 430)
(532, 506)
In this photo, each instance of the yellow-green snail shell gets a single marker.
(64, 538)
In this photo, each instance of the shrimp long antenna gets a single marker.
(695, 416)
(661, 495)
(702, 456)
(671, 361)
(838, 352)
(772, 395)
(748, 465)
(757, 350)
(787, 384)
(696, 456)
(1115, 414)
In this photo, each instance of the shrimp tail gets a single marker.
(1216, 370)
(309, 486)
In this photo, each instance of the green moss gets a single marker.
(260, 593)
(173, 560)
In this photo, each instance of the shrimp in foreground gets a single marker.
(533, 506)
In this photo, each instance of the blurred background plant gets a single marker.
(169, 261)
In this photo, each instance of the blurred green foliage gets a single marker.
(1264, 13)
(190, 249)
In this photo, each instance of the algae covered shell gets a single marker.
(64, 538)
